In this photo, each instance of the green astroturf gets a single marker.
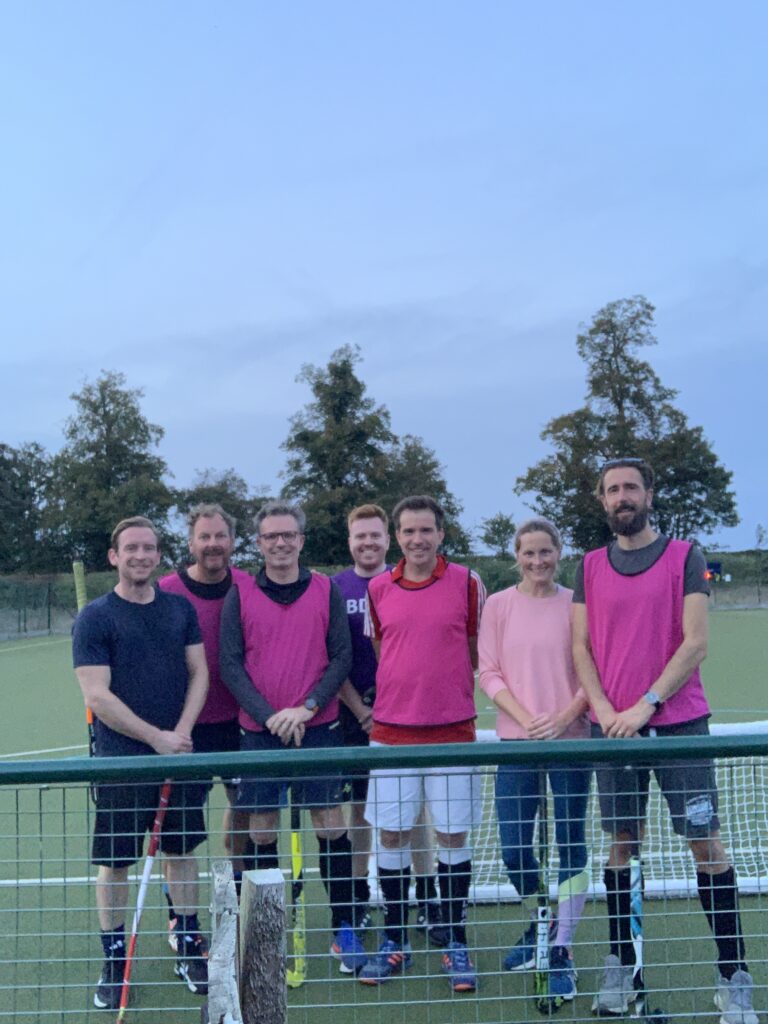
(48, 933)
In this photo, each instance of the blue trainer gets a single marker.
(522, 956)
(459, 968)
(349, 950)
(562, 974)
(391, 959)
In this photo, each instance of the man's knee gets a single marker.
(451, 840)
(328, 822)
(709, 854)
(394, 840)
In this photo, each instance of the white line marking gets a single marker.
(49, 750)
(12, 648)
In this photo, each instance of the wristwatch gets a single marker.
(654, 700)
(311, 705)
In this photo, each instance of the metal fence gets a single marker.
(50, 954)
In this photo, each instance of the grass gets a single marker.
(49, 955)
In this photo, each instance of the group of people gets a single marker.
(213, 658)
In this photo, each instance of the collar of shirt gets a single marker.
(437, 572)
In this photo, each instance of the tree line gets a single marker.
(341, 451)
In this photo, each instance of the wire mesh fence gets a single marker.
(51, 956)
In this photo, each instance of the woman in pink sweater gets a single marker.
(526, 668)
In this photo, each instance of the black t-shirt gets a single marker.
(144, 646)
(633, 561)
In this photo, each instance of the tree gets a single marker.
(342, 452)
(107, 470)
(228, 489)
(24, 477)
(497, 533)
(628, 411)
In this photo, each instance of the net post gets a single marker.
(263, 947)
(223, 996)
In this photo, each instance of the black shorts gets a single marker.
(261, 795)
(217, 738)
(688, 786)
(125, 813)
(355, 780)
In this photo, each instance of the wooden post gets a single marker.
(223, 991)
(262, 948)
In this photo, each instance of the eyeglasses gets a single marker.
(629, 460)
(289, 536)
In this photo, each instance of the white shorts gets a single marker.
(395, 796)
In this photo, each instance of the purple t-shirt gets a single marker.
(354, 590)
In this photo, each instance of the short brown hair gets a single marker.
(126, 524)
(630, 462)
(419, 503)
(207, 510)
(538, 524)
(368, 512)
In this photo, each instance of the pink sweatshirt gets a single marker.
(525, 647)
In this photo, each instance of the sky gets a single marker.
(206, 196)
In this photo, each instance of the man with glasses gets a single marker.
(640, 633)
(285, 652)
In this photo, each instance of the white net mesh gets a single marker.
(668, 867)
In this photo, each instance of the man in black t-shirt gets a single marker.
(141, 666)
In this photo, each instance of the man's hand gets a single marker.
(365, 720)
(170, 741)
(289, 724)
(630, 722)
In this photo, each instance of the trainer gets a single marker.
(140, 663)
(205, 584)
(640, 634)
(285, 651)
(424, 617)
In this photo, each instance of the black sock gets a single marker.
(395, 883)
(336, 872)
(188, 926)
(454, 881)
(426, 890)
(362, 891)
(249, 855)
(617, 897)
(265, 856)
(720, 900)
(113, 943)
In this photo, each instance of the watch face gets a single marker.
(310, 703)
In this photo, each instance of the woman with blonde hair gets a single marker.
(526, 668)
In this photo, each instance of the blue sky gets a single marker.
(207, 196)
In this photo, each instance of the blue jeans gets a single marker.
(517, 803)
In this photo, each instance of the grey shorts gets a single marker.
(688, 786)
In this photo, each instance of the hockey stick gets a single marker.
(297, 976)
(656, 1016)
(154, 842)
(545, 1003)
(81, 596)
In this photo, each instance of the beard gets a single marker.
(628, 527)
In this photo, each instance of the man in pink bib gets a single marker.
(285, 652)
(423, 617)
(640, 633)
